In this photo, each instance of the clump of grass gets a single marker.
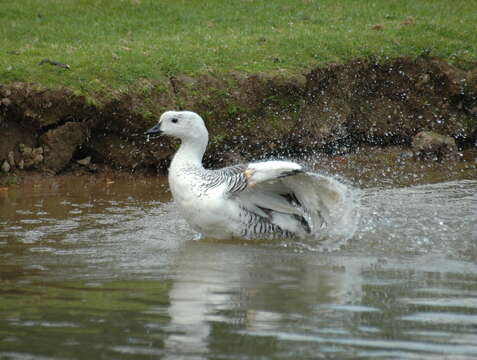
(109, 44)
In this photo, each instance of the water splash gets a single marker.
(340, 210)
(419, 219)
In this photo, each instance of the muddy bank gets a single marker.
(335, 110)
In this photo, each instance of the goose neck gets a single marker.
(190, 153)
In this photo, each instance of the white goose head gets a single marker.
(185, 125)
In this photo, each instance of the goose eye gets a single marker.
(174, 120)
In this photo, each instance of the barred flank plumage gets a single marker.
(236, 182)
(257, 225)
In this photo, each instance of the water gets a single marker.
(102, 269)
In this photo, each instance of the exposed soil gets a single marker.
(334, 110)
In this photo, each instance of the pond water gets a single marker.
(100, 269)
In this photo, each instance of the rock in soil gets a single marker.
(428, 145)
(5, 166)
(84, 162)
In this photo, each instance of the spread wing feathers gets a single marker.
(281, 194)
(269, 170)
(322, 197)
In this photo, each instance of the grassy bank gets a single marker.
(108, 44)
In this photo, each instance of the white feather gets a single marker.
(269, 170)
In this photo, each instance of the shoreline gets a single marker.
(330, 111)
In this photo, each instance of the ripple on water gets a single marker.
(31, 236)
(442, 318)
(463, 302)
(124, 279)
(31, 221)
(46, 324)
(42, 249)
(137, 350)
(352, 308)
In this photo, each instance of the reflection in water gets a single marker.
(96, 270)
(246, 288)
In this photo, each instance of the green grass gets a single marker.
(111, 44)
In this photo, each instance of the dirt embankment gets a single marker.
(335, 109)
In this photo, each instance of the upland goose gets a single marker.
(267, 199)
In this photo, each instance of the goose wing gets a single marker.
(281, 194)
